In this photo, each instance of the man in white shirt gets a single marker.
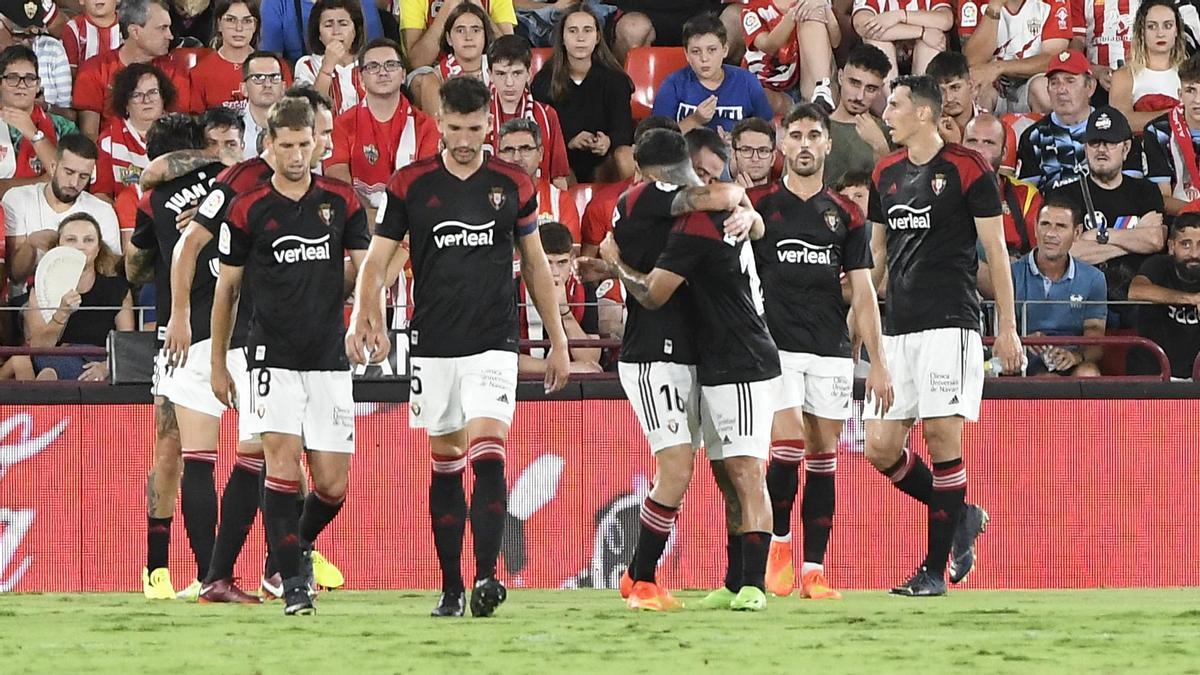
(33, 212)
(263, 85)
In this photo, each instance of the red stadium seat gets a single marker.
(186, 58)
(540, 56)
(582, 192)
(648, 67)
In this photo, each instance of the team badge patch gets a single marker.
(325, 211)
(496, 198)
(371, 153)
(672, 426)
(938, 183)
(832, 220)
(31, 9)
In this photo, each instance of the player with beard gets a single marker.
(935, 201)
(813, 236)
(462, 212)
(201, 229)
(294, 233)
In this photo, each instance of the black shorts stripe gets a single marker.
(647, 393)
(962, 358)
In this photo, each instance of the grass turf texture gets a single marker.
(1117, 631)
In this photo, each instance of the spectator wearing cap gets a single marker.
(1050, 152)
(1057, 294)
(1010, 48)
(28, 134)
(53, 67)
(1172, 283)
(1127, 224)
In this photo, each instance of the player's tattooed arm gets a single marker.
(171, 166)
(650, 290)
(715, 197)
(139, 265)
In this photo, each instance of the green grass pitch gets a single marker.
(578, 632)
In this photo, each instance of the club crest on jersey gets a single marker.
(832, 220)
(325, 211)
(371, 153)
(672, 426)
(938, 183)
(496, 198)
(31, 9)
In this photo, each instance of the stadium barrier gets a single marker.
(1088, 484)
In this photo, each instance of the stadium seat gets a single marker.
(648, 67)
(187, 57)
(582, 192)
(540, 56)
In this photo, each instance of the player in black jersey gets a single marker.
(186, 389)
(202, 228)
(738, 367)
(658, 351)
(813, 236)
(935, 201)
(293, 233)
(462, 212)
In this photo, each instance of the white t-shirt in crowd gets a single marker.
(26, 211)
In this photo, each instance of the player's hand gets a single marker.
(366, 342)
(222, 385)
(739, 222)
(707, 109)
(94, 371)
(609, 251)
(1008, 349)
(558, 369)
(186, 216)
(879, 388)
(592, 270)
(582, 141)
(176, 341)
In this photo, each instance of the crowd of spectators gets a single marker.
(1061, 97)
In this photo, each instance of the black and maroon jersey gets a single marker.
(801, 256)
(156, 230)
(733, 342)
(929, 213)
(295, 251)
(642, 223)
(461, 238)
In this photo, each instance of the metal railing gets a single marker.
(1164, 364)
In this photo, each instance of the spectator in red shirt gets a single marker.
(508, 64)
(28, 134)
(789, 41)
(522, 143)
(92, 33)
(335, 37)
(887, 24)
(147, 27)
(1010, 50)
(141, 94)
(1021, 201)
(217, 78)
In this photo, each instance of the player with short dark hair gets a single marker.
(935, 201)
(294, 233)
(813, 237)
(738, 365)
(462, 212)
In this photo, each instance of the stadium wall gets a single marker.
(1082, 493)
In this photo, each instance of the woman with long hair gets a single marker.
(335, 36)
(590, 91)
(217, 78)
(101, 291)
(465, 44)
(1148, 84)
(141, 94)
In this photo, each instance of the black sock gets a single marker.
(656, 523)
(158, 542)
(733, 562)
(282, 525)
(269, 567)
(945, 508)
(910, 475)
(319, 511)
(198, 499)
(817, 510)
(783, 481)
(239, 505)
(489, 503)
(448, 514)
(755, 547)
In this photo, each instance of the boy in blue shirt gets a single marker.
(709, 93)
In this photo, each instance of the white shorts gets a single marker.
(191, 385)
(316, 405)
(819, 385)
(935, 373)
(737, 418)
(666, 399)
(445, 392)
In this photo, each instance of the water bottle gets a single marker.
(993, 367)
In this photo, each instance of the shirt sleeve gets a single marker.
(110, 228)
(55, 71)
(856, 250)
(89, 91)
(356, 236)
(983, 196)
(62, 125)
(1078, 19)
(666, 99)
(1058, 22)
(935, 5)
(871, 6)
(502, 11)
(752, 25)
(1028, 166)
(685, 253)
(527, 211)
(306, 69)
(71, 46)
(619, 114)
(1152, 196)
(391, 221)
(568, 214)
(1158, 159)
(213, 209)
(105, 183)
(233, 243)
(1097, 296)
(559, 164)
(14, 223)
(874, 204)
(414, 14)
(1155, 268)
(595, 223)
(143, 231)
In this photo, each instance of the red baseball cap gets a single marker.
(1069, 61)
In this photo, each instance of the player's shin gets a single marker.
(945, 508)
(489, 502)
(911, 476)
(661, 508)
(331, 475)
(199, 505)
(239, 505)
(733, 526)
(281, 524)
(747, 475)
(816, 511)
(783, 482)
(448, 514)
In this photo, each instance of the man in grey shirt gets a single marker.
(859, 138)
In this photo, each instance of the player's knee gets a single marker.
(746, 474)
(635, 30)
(1086, 370)
(484, 448)
(331, 489)
(880, 454)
